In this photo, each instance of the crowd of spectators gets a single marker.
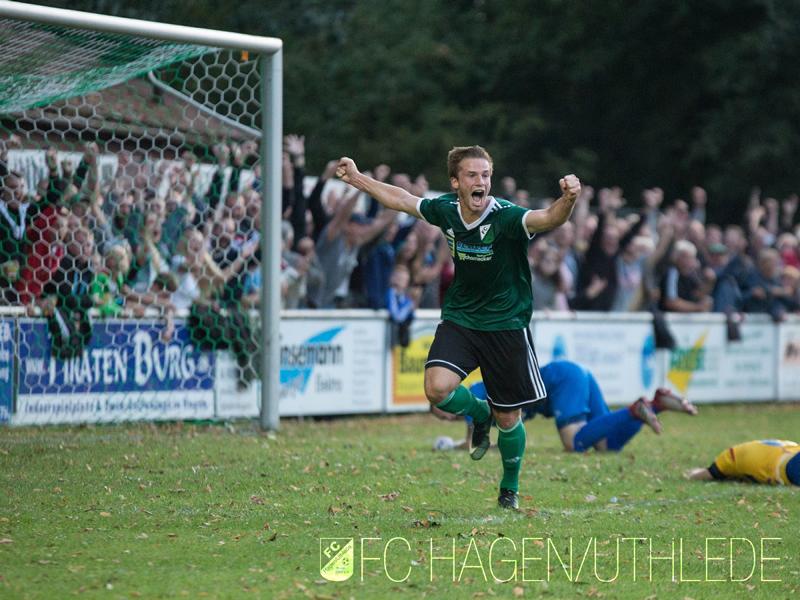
(152, 237)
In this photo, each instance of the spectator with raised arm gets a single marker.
(108, 286)
(214, 325)
(67, 295)
(338, 246)
(151, 256)
(598, 279)
(789, 212)
(733, 279)
(699, 199)
(432, 254)
(787, 247)
(14, 221)
(631, 267)
(549, 290)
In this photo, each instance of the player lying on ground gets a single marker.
(582, 416)
(764, 461)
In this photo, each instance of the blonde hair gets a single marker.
(459, 153)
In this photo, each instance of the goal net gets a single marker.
(129, 227)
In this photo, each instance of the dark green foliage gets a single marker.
(636, 94)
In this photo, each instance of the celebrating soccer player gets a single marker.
(487, 309)
(763, 461)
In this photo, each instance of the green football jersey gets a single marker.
(491, 290)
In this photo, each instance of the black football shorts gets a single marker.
(507, 361)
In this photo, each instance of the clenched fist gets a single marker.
(570, 186)
(346, 170)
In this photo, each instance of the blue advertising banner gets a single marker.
(7, 335)
(126, 372)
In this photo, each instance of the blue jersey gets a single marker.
(572, 394)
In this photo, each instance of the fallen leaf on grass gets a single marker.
(105, 514)
(426, 523)
(6, 541)
(518, 592)
(390, 497)
(257, 500)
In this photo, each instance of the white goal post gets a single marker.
(269, 53)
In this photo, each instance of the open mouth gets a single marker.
(478, 194)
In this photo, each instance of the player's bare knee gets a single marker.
(439, 383)
(437, 389)
(507, 420)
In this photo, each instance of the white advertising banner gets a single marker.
(748, 366)
(788, 360)
(694, 366)
(231, 400)
(331, 366)
(621, 355)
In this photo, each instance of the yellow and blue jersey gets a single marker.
(762, 461)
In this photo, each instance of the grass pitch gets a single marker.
(225, 512)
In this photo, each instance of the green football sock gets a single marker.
(463, 402)
(511, 443)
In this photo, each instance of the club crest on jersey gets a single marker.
(487, 233)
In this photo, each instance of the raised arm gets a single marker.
(559, 211)
(388, 195)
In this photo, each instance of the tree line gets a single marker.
(649, 93)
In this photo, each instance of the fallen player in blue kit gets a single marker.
(581, 414)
